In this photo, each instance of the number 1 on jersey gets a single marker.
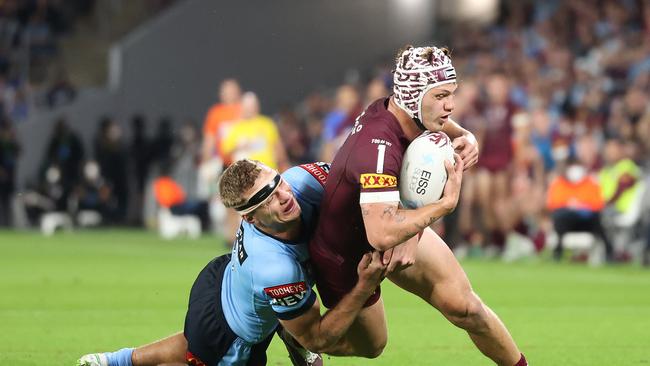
(381, 151)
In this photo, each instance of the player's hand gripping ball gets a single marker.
(423, 174)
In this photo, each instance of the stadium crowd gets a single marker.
(556, 92)
(31, 71)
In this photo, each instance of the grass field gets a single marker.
(81, 292)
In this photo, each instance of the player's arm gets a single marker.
(464, 142)
(319, 333)
(387, 225)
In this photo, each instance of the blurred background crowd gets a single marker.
(556, 92)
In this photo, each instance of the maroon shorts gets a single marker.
(336, 274)
(495, 164)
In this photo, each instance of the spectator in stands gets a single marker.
(94, 194)
(161, 145)
(9, 150)
(575, 201)
(294, 135)
(494, 166)
(48, 195)
(338, 123)
(255, 136)
(39, 39)
(111, 155)
(542, 136)
(185, 154)
(140, 159)
(61, 92)
(623, 189)
(9, 28)
(620, 178)
(19, 108)
(459, 225)
(64, 151)
(376, 89)
(528, 183)
(170, 195)
(215, 126)
(218, 118)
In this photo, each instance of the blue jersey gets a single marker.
(268, 278)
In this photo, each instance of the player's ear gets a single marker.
(249, 218)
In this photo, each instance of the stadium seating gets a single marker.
(172, 226)
(51, 221)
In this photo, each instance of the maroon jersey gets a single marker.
(365, 170)
(497, 152)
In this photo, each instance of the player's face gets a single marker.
(437, 105)
(280, 208)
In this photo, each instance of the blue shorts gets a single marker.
(210, 340)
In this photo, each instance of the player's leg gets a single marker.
(485, 193)
(367, 336)
(168, 351)
(506, 214)
(596, 226)
(438, 278)
(563, 222)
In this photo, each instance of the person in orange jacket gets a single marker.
(575, 201)
(170, 194)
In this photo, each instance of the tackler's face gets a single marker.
(278, 204)
(437, 106)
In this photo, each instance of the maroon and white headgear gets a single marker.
(418, 70)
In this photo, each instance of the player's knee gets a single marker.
(373, 349)
(468, 313)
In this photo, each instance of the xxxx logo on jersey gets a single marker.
(377, 181)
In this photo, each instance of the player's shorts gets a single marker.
(210, 340)
(495, 164)
(336, 274)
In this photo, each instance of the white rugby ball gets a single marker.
(423, 174)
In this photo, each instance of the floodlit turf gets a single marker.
(102, 290)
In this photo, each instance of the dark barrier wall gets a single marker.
(281, 49)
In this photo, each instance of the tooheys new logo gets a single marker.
(287, 295)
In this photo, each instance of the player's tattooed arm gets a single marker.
(387, 225)
(393, 213)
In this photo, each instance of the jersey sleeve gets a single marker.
(375, 166)
(286, 288)
(308, 181)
